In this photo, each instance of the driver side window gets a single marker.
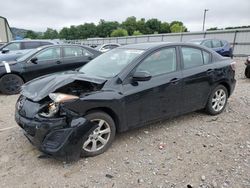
(160, 62)
(49, 54)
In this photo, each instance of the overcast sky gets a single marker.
(40, 14)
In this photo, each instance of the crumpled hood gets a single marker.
(41, 87)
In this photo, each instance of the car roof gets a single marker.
(35, 40)
(145, 46)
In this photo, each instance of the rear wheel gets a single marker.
(217, 100)
(11, 84)
(102, 137)
(247, 72)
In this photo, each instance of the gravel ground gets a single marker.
(194, 150)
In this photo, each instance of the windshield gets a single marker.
(28, 54)
(111, 63)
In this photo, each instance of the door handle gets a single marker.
(174, 81)
(58, 62)
(210, 71)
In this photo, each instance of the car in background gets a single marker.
(106, 47)
(13, 50)
(247, 70)
(41, 61)
(125, 88)
(222, 47)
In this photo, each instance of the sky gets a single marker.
(38, 15)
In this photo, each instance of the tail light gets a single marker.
(233, 65)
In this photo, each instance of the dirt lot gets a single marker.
(194, 150)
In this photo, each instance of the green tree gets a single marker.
(119, 33)
(31, 34)
(50, 34)
(153, 25)
(105, 28)
(64, 33)
(177, 24)
(86, 30)
(130, 24)
(136, 33)
(141, 26)
(165, 28)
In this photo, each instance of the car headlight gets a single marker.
(60, 97)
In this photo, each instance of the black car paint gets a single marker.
(133, 104)
(28, 70)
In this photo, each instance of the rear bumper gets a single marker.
(56, 137)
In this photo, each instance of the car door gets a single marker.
(197, 76)
(151, 100)
(75, 57)
(47, 61)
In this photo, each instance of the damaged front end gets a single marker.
(49, 125)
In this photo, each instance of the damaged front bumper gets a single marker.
(58, 137)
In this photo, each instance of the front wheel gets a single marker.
(102, 137)
(11, 84)
(217, 100)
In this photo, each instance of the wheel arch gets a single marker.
(108, 111)
(15, 73)
(227, 86)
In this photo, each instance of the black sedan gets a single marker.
(42, 61)
(75, 113)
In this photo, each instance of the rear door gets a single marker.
(159, 97)
(75, 57)
(48, 61)
(198, 74)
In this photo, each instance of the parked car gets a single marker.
(80, 112)
(41, 61)
(247, 70)
(222, 47)
(12, 50)
(106, 47)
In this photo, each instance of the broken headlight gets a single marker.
(53, 107)
(60, 97)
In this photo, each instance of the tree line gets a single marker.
(131, 26)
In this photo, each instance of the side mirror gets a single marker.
(5, 50)
(142, 76)
(34, 60)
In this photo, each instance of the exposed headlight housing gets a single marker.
(60, 97)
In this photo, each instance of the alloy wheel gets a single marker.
(219, 100)
(99, 137)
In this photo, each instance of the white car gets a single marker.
(106, 47)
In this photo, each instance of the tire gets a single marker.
(247, 72)
(11, 84)
(217, 100)
(106, 123)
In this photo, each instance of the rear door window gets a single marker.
(192, 57)
(206, 57)
(30, 45)
(75, 52)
